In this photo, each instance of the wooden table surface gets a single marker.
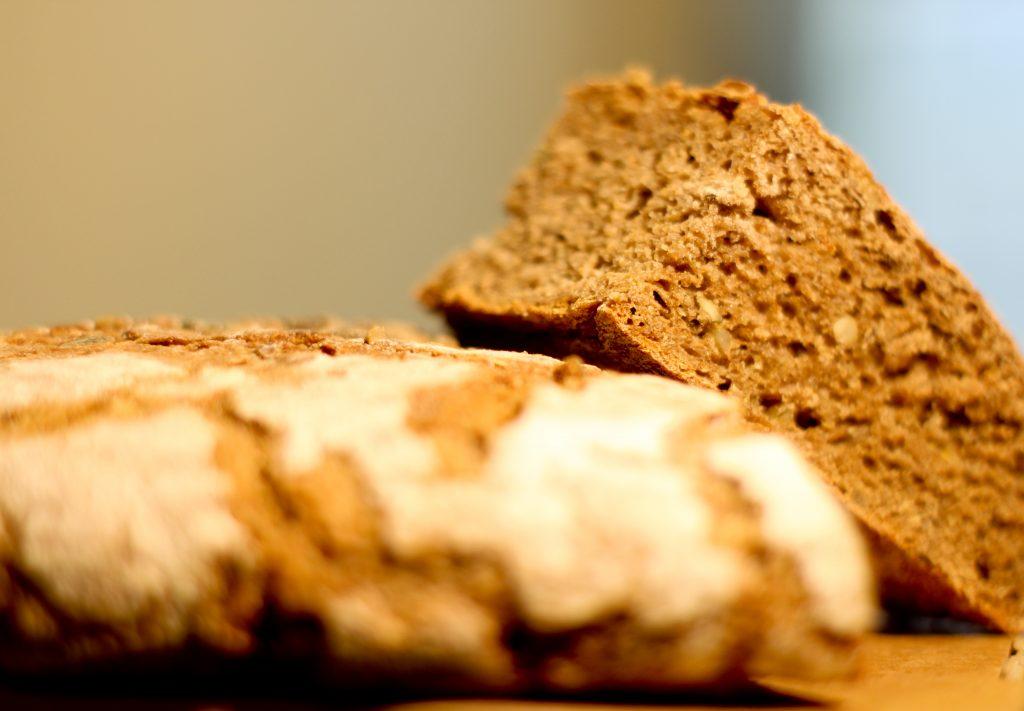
(944, 673)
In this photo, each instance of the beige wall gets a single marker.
(220, 159)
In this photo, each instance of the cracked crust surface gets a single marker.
(385, 509)
(720, 239)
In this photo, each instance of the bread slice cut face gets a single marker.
(720, 239)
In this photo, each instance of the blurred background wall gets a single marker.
(222, 158)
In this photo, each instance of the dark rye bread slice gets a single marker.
(715, 237)
(398, 513)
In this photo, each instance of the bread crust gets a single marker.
(386, 510)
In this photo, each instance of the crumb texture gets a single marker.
(387, 509)
(723, 240)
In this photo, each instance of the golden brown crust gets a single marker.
(453, 518)
(720, 239)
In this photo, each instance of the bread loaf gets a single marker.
(396, 511)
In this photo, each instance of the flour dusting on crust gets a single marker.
(66, 381)
(117, 516)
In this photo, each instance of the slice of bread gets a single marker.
(720, 239)
(398, 511)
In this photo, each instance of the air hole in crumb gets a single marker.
(727, 268)
(594, 156)
(723, 105)
(762, 208)
(869, 462)
(983, 570)
(632, 311)
(624, 120)
(690, 159)
(328, 349)
(762, 269)
(788, 309)
(797, 348)
(885, 219)
(660, 299)
(806, 418)
(844, 275)
(791, 280)
(724, 385)
(643, 196)
(957, 418)
(769, 400)
(892, 295)
(727, 165)
(920, 287)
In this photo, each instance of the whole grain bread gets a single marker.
(384, 510)
(715, 237)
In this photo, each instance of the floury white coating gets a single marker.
(583, 500)
(115, 517)
(799, 516)
(36, 381)
(352, 404)
(582, 495)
